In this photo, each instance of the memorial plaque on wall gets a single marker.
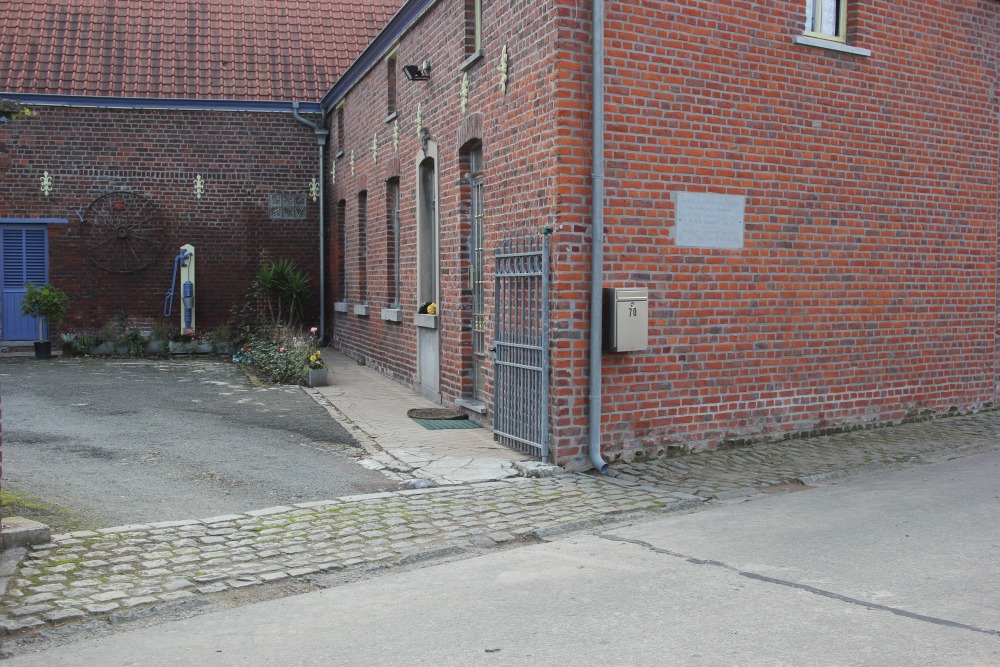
(706, 220)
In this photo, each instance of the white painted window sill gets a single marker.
(830, 45)
(392, 314)
(471, 404)
(472, 60)
(340, 307)
(361, 310)
(426, 321)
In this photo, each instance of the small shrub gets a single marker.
(285, 289)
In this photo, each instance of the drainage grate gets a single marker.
(440, 424)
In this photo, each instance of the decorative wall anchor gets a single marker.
(46, 184)
(503, 70)
(314, 189)
(199, 186)
(463, 93)
(333, 173)
(352, 162)
(395, 135)
(375, 148)
(420, 119)
(425, 138)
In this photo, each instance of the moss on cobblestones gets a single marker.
(136, 566)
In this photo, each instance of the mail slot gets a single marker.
(626, 318)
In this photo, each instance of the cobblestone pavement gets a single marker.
(746, 470)
(94, 575)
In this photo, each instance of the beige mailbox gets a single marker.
(626, 318)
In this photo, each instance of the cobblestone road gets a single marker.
(93, 575)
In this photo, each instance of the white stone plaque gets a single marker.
(706, 220)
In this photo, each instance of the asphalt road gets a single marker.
(134, 441)
(896, 569)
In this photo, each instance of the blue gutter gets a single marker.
(167, 103)
(401, 22)
(33, 221)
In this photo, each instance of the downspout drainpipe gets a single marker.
(321, 135)
(597, 241)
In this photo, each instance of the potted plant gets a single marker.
(317, 373)
(47, 304)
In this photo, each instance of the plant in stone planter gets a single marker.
(182, 342)
(68, 341)
(134, 342)
(159, 338)
(48, 304)
(83, 343)
(221, 340)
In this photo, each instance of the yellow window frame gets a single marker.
(816, 24)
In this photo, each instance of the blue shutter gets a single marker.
(24, 257)
(35, 260)
(13, 258)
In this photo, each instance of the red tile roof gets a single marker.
(206, 49)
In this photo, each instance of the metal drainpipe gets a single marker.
(321, 136)
(597, 242)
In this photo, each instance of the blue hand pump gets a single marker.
(184, 260)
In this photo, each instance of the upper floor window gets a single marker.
(391, 87)
(827, 19)
(826, 27)
(473, 27)
(341, 144)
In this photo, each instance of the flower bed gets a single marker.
(281, 355)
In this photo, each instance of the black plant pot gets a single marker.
(43, 349)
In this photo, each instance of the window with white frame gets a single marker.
(827, 19)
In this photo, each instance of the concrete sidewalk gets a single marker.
(373, 408)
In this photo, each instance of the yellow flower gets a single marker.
(432, 309)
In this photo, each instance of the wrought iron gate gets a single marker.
(521, 346)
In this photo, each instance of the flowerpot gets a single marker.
(103, 348)
(180, 347)
(223, 348)
(156, 346)
(43, 349)
(319, 377)
(204, 348)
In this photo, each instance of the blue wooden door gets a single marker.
(25, 259)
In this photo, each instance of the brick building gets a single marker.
(807, 189)
(157, 126)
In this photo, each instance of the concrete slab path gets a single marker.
(374, 408)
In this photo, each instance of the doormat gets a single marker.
(440, 424)
(435, 413)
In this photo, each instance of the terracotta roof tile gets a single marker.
(225, 49)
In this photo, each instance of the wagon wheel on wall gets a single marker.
(122, 232)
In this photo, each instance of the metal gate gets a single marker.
(521, 346)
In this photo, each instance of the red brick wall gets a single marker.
(866, 288)
(520, 186)
(243, 157)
